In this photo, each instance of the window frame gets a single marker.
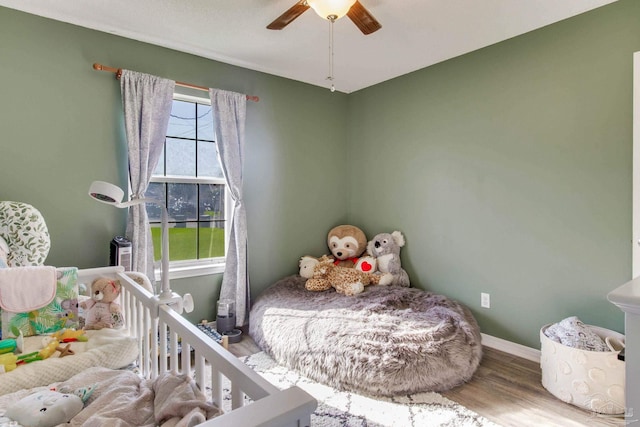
(204, 266)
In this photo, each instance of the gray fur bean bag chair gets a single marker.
(386, 341)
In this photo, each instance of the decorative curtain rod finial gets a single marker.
(116, 71)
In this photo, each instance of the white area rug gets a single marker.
(339, 409)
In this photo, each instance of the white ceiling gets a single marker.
(414, 34)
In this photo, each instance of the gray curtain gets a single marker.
(147, 105)
(229, 114)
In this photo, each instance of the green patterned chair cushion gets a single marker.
(23, 228)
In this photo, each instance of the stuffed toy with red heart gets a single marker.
(347, 243)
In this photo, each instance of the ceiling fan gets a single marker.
(330, 10)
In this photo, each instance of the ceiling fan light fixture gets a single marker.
(331, 9)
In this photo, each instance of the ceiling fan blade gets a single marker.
(363, 19)
(286, 18)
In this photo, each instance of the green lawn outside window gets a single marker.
(183, 242)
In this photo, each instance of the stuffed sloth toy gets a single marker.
(385, 248)
(323, 274)
(347, 243)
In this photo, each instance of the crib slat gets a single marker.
(162, 343)
(199, 370)
(126, 301)
(154, 348)
(146, 321)
(186, 357)
(174, 350)
(216, 386)
(237, 397)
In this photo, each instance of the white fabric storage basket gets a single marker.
(593, 380)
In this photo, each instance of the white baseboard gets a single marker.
(513, 348)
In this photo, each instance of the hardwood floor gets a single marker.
(505, 389)
(508, 390)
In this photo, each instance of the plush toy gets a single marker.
(308, 263)
(46, 408)
(349, 281)
(69, 310)
(101, 310)
(385, 248)
(347, 243)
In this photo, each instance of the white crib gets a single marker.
(153, 322)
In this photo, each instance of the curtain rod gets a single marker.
(118, 73)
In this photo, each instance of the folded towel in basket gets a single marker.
(572, 332)
(23, 289)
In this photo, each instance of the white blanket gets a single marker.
(106, 348)
(122, 399)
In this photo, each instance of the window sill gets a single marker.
(179, 270)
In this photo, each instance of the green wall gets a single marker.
(509, 171)
(62, 129)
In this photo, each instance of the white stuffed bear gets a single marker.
(385, 248)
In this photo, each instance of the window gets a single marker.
(189, 179)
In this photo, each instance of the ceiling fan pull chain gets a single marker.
(330, 78)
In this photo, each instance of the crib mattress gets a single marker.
(105, 348)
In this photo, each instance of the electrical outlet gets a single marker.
(485, 300)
